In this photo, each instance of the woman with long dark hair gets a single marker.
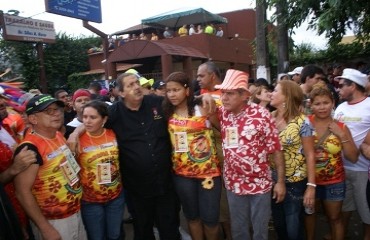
(197, 175)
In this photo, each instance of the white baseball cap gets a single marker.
(354, 76)
(296, 70)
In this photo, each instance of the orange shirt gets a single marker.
(329, 162)
(97, 153)
(194, 152)
(15, 126)
(216, 95)
(54, 194)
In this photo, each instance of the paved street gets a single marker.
(354, 233)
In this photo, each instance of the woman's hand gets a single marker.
(309, 197)
(336, 130)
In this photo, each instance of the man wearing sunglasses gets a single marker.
(355, 113)
(49, 190)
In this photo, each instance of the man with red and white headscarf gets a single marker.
(79, 99)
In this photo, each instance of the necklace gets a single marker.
(92, 136)
(50, 142)
(183, 112)
(279, 122)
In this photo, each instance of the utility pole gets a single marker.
(42, 74)
(282, 37)
(263, 69)
(105, 44)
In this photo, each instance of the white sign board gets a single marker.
(263, 72)
(27, 29)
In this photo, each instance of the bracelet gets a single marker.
(344, 141)
(311, 184)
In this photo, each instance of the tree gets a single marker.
(66, 56)
(332, 17)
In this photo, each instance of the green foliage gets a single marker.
(330, 17)
(66, 56)
(76, 81)
(22, 58)
(344, 53)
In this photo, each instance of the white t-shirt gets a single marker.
(357, 118)
(191, 31)
(6, 138)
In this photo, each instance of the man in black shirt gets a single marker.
(145, 158)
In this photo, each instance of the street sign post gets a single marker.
(18, 28)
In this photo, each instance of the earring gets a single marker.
(284, 105)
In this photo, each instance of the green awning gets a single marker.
(179, 17)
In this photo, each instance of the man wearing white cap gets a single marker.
(249, 136)
(296, 74)
(355, 113)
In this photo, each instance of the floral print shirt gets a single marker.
(55, 195)
(193, 147)
(246, 164)
(290, 137)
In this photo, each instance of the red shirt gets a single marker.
(246, 166)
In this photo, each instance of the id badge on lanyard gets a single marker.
(232, 137)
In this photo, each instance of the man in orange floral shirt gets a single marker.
(50, 190)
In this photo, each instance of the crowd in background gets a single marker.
(231, 153)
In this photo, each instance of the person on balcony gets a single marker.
(183, 31)
(220, 32)
(192, 30)
(210, 29)
(167, 33)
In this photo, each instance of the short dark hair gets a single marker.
(310, 71)
(95, 85)
(56, 94)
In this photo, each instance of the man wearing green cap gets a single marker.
(50, 191)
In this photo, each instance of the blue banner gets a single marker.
(89, 10)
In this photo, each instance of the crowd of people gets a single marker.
(232, 155)
(184, 30)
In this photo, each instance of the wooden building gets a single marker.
(157, 59)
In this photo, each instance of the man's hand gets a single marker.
(208, 103)
(50, 233)
(279, 192)
(23, 160)
(73, 139)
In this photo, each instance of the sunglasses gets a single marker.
(341, 85)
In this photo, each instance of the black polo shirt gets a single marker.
(144, 146)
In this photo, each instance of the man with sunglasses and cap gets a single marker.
(49, 190)
(354, 111)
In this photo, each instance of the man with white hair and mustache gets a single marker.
(145, 159)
